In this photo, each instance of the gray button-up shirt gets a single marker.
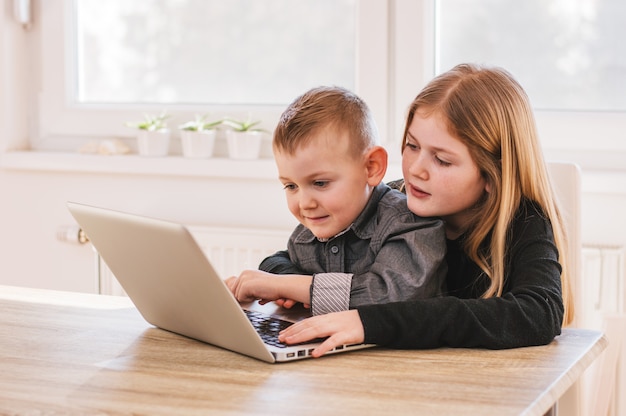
(388, 254)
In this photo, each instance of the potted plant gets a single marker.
(243, 138)
(198, 137)
(153, 138)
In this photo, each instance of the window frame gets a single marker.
(399, 64)
(592, 139)
(64, 124)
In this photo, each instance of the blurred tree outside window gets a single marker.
(568, 54)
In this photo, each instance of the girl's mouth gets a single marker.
(418, 192)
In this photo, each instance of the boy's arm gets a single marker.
(280, 263)
(254, 284)
(410, 264)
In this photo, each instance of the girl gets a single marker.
(471, 156)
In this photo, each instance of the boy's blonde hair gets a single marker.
(489, 112)
(321, 108)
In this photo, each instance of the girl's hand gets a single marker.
(341, 328)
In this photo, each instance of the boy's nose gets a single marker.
(307, 201)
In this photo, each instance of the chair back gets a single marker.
(566, 180)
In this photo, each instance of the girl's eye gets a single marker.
(411, 146)
(320, 184)
(442, 162)
(289, 187)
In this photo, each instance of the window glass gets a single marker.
(568, 54)
(243, 52)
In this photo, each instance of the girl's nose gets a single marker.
(418, 166)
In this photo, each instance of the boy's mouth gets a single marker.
(317, 219)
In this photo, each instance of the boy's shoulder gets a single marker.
(393, 217)
(397, 184)
(390, 198)
(392, 207)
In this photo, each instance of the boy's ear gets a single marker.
(376, 165)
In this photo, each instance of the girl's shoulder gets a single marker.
(529, 209)
(531, 220)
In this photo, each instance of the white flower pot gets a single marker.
(244, 145)
(197, 144)
(153, 143)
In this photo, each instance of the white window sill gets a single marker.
(139, 165)
(597, 177)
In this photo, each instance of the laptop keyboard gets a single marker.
(268, 327)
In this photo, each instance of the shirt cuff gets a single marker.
(330, 292)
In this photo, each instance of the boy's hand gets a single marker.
(254, 284)
(285, 290)
(289, 303)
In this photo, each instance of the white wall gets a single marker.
(604, 207)
(33, 209)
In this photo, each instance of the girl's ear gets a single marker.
(487, 187)
(376, 165)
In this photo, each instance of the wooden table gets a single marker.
(74, 353)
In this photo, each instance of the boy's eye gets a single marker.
(320, 184)
(289, 187)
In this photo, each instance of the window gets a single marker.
(563, 51)
(569, 56)
(210, 52)
(118, 59)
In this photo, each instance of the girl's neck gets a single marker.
(453, 233)
(457, 224)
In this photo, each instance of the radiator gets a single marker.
(230, 250)
(603, 387)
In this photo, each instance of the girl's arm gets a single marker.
(529, 312)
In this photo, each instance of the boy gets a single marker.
(356, 234)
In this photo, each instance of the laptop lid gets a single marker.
(173, 284)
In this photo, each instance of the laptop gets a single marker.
(172, 283)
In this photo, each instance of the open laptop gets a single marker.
(174, 286)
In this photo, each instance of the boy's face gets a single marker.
(326, 187)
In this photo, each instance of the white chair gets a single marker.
(592, 394)
(566, 180)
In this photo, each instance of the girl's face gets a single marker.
(441, 178)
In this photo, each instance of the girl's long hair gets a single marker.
(490, 112)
